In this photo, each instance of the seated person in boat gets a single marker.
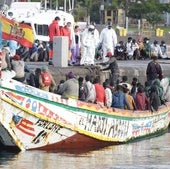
(70, 88)
(155, 100)
(142, 102)
(129, 98)
(18, 66)
(89, 90)
(6, 64)
(118, 98)
(46, 80)
(100, 93)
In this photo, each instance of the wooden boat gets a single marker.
(31, 118)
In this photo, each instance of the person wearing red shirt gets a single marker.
(142, 102)
(53, 30)
(100, 93)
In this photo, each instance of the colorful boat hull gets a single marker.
(34, 119)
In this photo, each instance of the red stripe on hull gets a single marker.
(77, 144)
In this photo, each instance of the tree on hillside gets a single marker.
(151, 10)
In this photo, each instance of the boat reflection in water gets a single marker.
(151, 153)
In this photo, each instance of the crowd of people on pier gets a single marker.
(89, 46)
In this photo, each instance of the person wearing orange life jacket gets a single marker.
(46, 80)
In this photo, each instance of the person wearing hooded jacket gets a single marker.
(53, 30)
(89, 44)
(119, 99)
(108, 40)
(70, 88)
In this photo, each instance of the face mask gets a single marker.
(90, 30)
(69, 27)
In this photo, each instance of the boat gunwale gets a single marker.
(108, 112)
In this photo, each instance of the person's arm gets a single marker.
(57, 29)
(7, 58)
(53, 84)
(107, 68)
(40, 81)
(126, 102)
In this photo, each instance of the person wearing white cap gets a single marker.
(89, 43)
(108, 40)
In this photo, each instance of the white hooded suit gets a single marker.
(89, 44)
(108, 40)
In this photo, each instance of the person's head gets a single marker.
(76, 28)
(133, 41)
(80, 80)
(155, 58)
(156, 82)
(121, 42)
(88, 78)
(119, 88)
(125, 89)
(109, 25)
(37, 71)
(124, 78)
(109, 54)
(146, 84)
(68, 25)
(105, 84)
(6, 49)
(163, 42)
(135, 79)
(153, 88)
(146, 40)
(129, 39)
(155, 42)
(140, 89)
(134, 83)
(97, 80)
(57, 18)
(70, 75)
(44, 69)
(93, 23)
(91, 28)
(16, 57)
(139, 39)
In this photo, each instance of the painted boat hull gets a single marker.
(34, 119)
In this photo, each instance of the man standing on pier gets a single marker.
(154, 71)
(53, 30)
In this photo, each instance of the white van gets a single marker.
(38, 19)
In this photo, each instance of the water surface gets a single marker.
(146, 154)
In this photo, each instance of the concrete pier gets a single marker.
(130, 68)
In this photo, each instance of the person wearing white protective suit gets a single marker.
(108, 40)
(89, 44)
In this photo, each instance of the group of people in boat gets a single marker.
(122, 95)
(110, 93)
